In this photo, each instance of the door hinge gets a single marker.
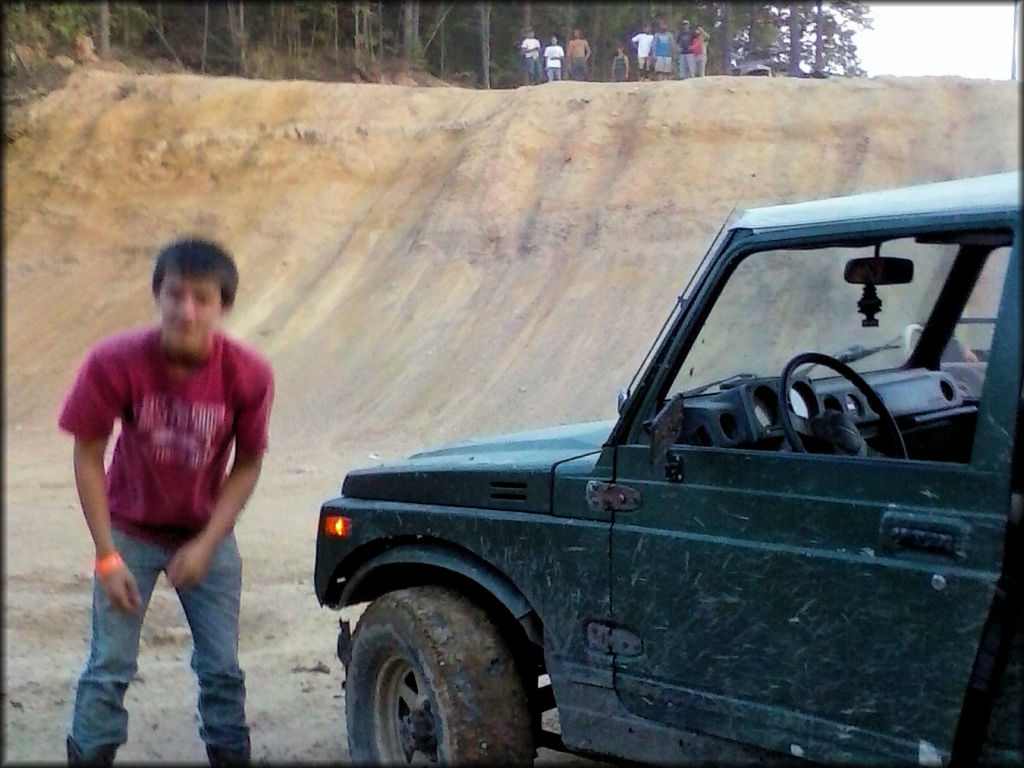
(609, 497)
(608, 638)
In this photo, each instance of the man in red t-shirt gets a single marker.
(186, 396)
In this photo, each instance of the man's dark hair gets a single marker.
(195, 257)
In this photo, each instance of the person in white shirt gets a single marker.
(553, 56)
(530, 48)
(643, 42)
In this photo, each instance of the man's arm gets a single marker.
(190, 562)
(91, 481)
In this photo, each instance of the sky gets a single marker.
(912, 39)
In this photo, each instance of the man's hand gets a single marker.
(190, 563)
(121, 590)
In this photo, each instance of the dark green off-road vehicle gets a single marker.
(801, 537)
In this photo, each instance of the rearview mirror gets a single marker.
(879, 270)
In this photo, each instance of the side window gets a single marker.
(972, 338)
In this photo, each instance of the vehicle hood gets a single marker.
(506, 472)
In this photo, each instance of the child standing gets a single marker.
(620, 66)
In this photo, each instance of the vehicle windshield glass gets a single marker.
(779, 303)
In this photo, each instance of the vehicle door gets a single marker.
(820, 605)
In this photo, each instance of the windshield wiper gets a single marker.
(859, 352)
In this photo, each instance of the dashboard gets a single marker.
(744, 411)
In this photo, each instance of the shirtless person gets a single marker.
(578, 55)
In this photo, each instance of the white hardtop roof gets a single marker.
(975, 195)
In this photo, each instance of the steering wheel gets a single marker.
(836, 427)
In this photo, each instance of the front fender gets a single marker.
(406, 564)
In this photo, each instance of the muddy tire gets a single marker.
(432, 681)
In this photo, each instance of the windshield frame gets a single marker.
(738, 244)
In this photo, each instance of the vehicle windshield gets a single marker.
(779, 303)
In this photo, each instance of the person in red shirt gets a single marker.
(187, 396)
(699, 48)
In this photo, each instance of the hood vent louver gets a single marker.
(508, 491)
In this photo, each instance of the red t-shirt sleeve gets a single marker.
(252, 419)
(93, 402)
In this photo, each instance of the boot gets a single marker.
(221, 757)
(103, 756)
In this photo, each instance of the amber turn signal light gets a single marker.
(336, 525)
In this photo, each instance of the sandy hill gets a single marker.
(435, 262)
(419, 264)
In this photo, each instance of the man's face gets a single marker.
(190, 311)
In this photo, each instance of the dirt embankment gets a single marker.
(418, 264)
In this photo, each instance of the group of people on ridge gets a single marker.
(576, 57)
(656, 52)
(659, 52)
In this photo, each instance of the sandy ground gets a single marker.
(419, 264)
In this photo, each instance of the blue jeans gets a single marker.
(533, 73)
(687, 65)
(99, 720)
(554, 73)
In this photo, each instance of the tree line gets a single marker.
(465, 43)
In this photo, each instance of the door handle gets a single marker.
(931, 534)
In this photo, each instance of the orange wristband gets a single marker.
(109, 563)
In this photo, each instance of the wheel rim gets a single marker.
(404, 725)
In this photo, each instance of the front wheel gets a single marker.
(432, 681)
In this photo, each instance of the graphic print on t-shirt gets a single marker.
(180, 432)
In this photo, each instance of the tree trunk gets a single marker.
(795, 33)
(407, 41)
(312, 34)
(438, 25)
(725, 47)
(363, 18)
(410, 29)
(241, 36)
(751, 48)
(105, 29)
(415, 25)
(236, 26)
(337, 30)
(485, 43)
(527, 15)
(819, 39)
(357, 33)
(378, 45)
(206, 36)
(295, 34)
